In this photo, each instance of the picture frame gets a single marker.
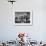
(23, 18)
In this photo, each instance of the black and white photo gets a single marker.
(23, 18)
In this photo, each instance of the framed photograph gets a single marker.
(23, 18)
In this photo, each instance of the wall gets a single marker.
(9, 31)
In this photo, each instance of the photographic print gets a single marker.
(23, 18)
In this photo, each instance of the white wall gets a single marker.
(9, 31)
